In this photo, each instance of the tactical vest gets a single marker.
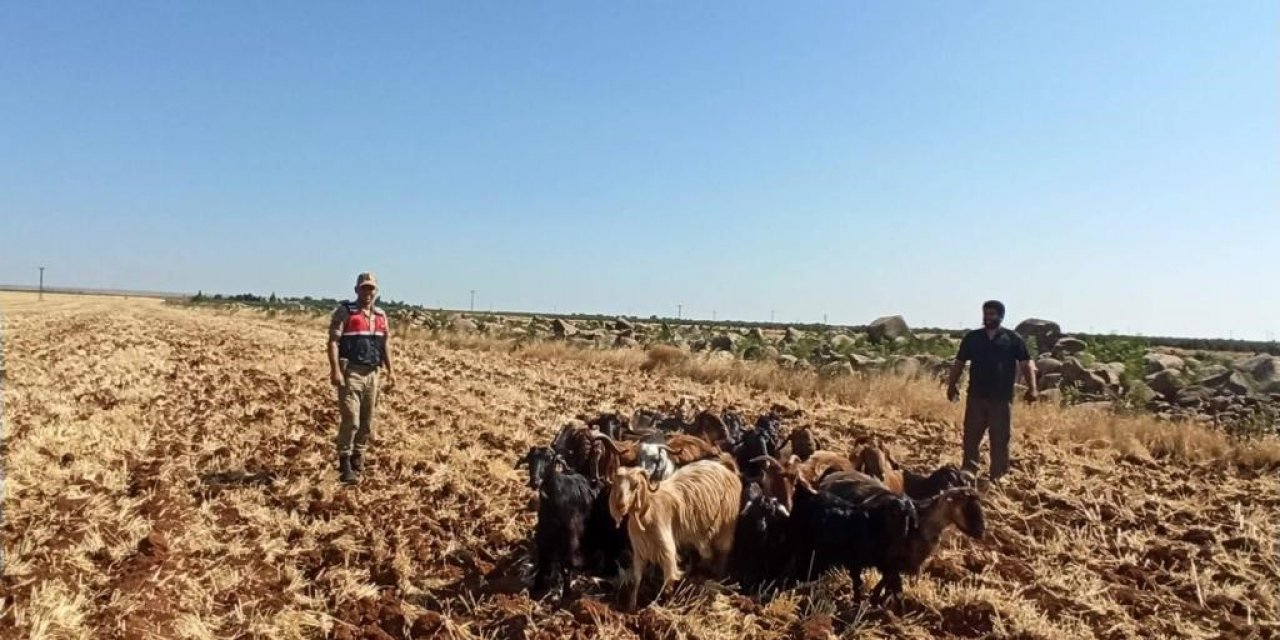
(363, 342)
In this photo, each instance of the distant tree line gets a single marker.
(1191, 344)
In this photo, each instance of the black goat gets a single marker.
(733, 426)
(828, 531)
(565, 504)
(922, 487)
(754, 444)
(610, 424)
(760, 534)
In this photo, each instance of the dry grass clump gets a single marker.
(178, 482)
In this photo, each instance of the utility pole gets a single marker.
(824, 318)
(42, 283)
(679, 311)
(771, 316)
(473, 299)
(713, 315)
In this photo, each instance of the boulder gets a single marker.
(1051, 395)
(623, 324)
(1157, 362)
(1208, 372)
(842, 342)
(1112, 372)
(770, 353)
(791, 335)
(1193, 396)
(720, 356)
(907, 367)
(1075, 374)
(756, 334)
(787, 361)
(459, 324)
(724, 342)
(563, 328)
(1264, 369)
(1046, 365)
(1046, 333)
(837, 369)
(1068, 346)
(862, 363)
(1236, 384)
(888, 328)
(1140, 392)
(1051, 381)
(1164, 382)
(626, 342)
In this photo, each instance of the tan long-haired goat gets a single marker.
(696, 507)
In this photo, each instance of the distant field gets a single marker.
(170, 474)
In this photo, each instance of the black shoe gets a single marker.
(345, 473)
(357, 462)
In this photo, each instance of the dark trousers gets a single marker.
(983, 415)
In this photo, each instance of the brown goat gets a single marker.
(802, 441)
(606, 456)
(711, 427)
(821, 463)
(876, 462)
(854, 486)
(685, 449)
(696, 507)
(778, 480)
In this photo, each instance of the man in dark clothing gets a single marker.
(996, 354)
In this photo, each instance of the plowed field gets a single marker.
(170, 474)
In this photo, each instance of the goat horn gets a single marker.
(607, 440)
(769, 461)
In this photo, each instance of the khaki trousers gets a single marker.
(357, 398)
(982, 416)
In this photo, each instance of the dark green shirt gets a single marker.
(993, 362)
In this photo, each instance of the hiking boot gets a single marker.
(357, 462)
(345, 474)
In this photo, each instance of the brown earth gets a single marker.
(170, 474)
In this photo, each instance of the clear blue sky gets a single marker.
(1115, 166)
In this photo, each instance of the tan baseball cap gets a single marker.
(367, 278)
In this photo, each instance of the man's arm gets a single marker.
(957, 368)
(386, 359)
(1028, 369)
(335, 334)
(1029, 374)
(953, 380)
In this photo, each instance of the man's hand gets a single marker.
(391, 380)
(335, 377)
(1031, 395)
(953, 392)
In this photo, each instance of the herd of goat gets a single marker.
(751, 505)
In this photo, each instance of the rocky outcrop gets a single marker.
(1045, 332)
(888, 328)
(1157, 362)
(724, 342)
(562, 328)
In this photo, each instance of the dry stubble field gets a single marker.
(170, 474)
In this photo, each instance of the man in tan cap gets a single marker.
(358, 346)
